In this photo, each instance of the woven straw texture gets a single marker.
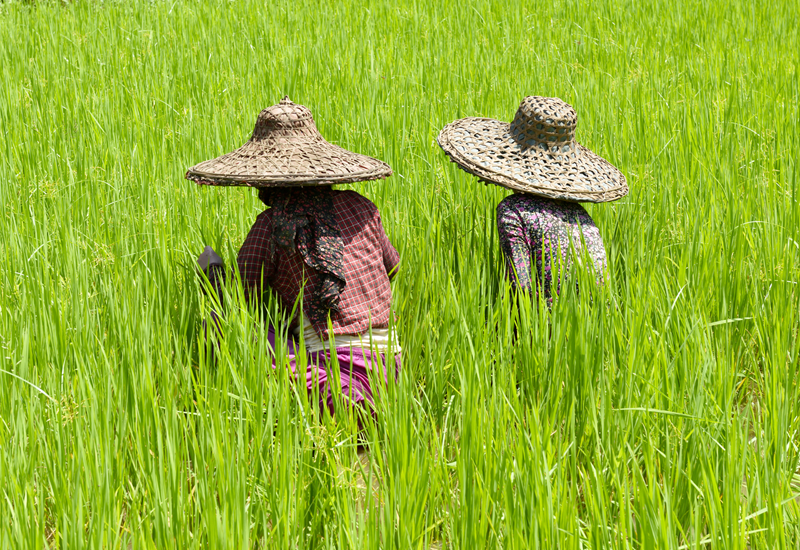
(536, 153)
(287, 150)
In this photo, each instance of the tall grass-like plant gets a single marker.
(658, 410)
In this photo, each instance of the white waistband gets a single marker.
(376, 339)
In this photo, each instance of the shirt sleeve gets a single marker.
(513, 242)
(391, 259)
(255, 268)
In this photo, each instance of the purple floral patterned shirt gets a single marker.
(532, 229)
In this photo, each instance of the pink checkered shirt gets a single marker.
(369, 262)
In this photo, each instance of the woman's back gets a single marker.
(367, 260)
(532, 229)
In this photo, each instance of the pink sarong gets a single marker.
(356, 366)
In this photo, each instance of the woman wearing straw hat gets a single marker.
(538, 158)
(325, 250)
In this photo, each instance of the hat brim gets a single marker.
(485, 148)
(291, 161)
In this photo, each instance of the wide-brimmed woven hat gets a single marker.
(286, 150)
(536, 153)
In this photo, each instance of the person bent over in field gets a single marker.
(537, 157)
(328, 245)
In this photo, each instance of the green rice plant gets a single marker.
(657, 410)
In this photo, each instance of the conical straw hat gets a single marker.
(536, 153)
(287, 150)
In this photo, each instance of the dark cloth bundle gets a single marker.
(303, 221)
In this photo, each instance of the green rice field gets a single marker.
(661, 410)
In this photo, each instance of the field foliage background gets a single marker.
(661, 411)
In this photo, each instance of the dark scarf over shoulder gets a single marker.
(304, 221)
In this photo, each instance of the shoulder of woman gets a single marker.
(512, 201)
(356, 201)
(264, 220)
(350, 195)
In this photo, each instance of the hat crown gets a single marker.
(285, 119)
(547, 123)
